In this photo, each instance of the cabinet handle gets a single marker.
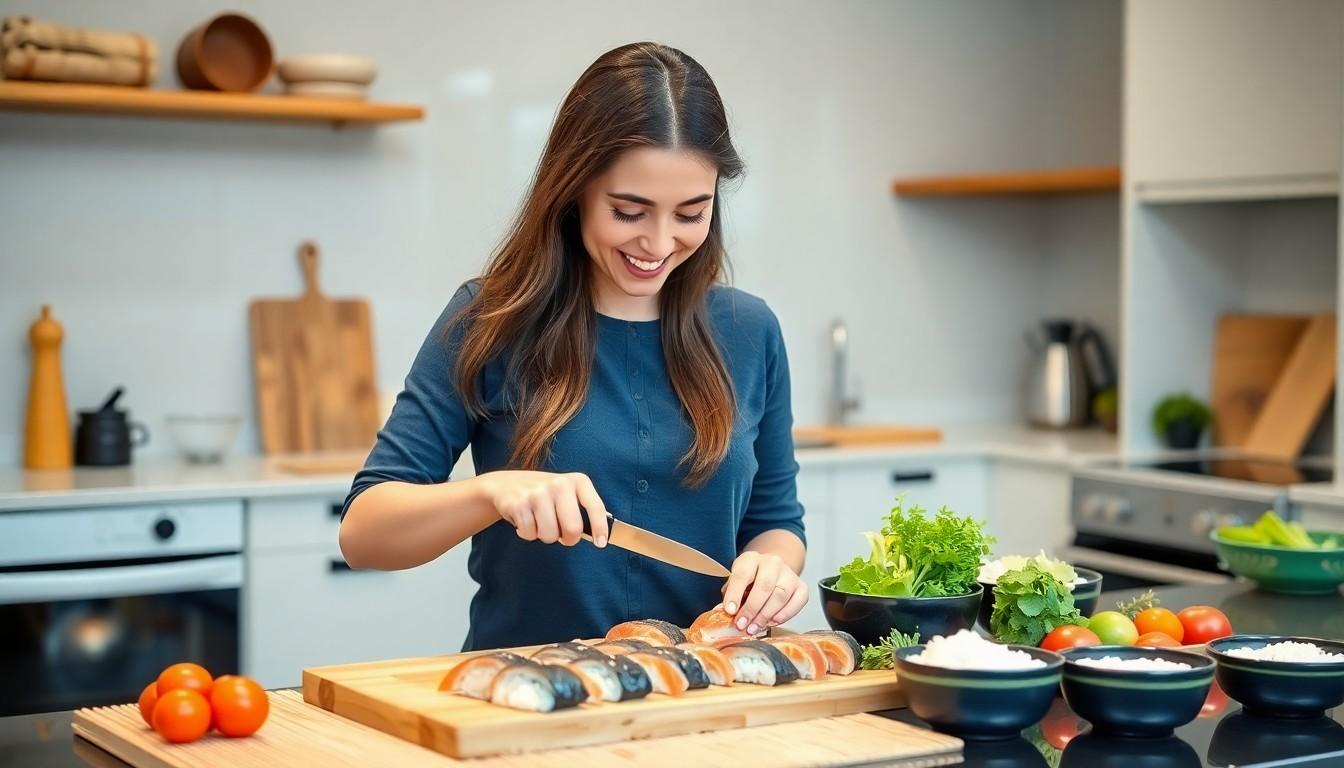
(340, 566)
(912, 476)
(336, 508)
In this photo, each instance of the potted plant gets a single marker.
(1106, 407)
(1180, 420)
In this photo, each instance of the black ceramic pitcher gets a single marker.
(104, 437)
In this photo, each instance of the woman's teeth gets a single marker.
(647, 266)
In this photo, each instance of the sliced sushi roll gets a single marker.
(563, 653)
(622, 647)
(616, 678)
(474, 676)
(696, 676)
(536, 687)
(717, 666)
(653, 631)
(664, 673)
(843, 653)
(805, 655)
(760, 663)
(714, 625)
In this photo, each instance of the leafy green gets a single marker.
(880, 656)
(917, 555)
(1272, 530)
(1028, 604)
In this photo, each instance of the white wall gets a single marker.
(149, 237)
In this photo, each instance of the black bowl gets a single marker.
(1085, 596)
(1093, 750)
(979, 704)
(1243, 738)
(870, 618)
(1279, 688)
(1138, 703)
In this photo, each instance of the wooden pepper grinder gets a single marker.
(47, 433)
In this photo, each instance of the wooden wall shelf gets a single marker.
(1063, 181)
(205, 105)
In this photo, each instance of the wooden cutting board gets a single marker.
(313, 361)
(1249, 353)
(868, 434)
(1299, 395)
(401, 697)
(298, 734)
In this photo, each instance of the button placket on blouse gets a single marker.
(642, 458)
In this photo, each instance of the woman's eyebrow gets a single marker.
(645, 201)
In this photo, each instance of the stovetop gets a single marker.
(1256, 470)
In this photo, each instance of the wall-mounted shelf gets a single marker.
(1062, 181)
(204, 105)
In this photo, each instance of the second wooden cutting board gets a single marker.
(313, 361)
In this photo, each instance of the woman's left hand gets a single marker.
(773, 592)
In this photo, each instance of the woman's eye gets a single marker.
(626, 217)
(696, 219)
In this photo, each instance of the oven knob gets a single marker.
(1202, 523)
(1091, 506)
(164, 529)
(1119, 510)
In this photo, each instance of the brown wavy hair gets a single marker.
(535, 307)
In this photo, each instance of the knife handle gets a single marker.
(587, 526)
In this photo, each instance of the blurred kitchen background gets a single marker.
(1033, 220)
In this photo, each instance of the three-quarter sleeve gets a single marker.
(773, 504)
(429, 426)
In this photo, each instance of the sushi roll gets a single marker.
(654, 631)
(843, 653)
(622, 647)
(615, 678)
(805, 655)
(696, 677)
(473, 677)
(563, 653)
(714, 625)
(716, 665)
(664, 673)
(537, 688)
(760, 663)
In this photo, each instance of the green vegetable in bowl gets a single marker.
(1028, 604)
(918, 556)
(1272, 530)
(881, 656)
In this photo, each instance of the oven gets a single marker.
(94, 603)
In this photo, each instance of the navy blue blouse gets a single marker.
(628, 438)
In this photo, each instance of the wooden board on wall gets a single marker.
(1300, 394)
(1249, 353)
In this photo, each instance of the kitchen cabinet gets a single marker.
(1029, 507)
(1232, 100)
(815, 494)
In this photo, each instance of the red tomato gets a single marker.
(190, 676)
(148, 698)
(1215, 702)
(1204, 623)
(1160, 620)
(182, 715)
(240, 705)
(1156, 640)
(1069, 636)
(1060, 724)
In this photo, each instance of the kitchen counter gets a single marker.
(157, 481)
(46, 740)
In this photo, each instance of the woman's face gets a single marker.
(642, 219)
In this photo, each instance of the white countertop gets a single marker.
(1058, 448)
(1320, 494)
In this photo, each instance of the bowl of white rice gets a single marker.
(1135, 692)
(967, 686)
(1281, 676)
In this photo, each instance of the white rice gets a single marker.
(967, 650)
(1287, 650)
(1142, 663)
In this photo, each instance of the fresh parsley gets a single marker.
(881, 656)
(916, 555)
(1028, 604)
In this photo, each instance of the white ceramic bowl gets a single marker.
(328, 90)
(327, 67)
(203, 439)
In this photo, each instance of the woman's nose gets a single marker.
(659, 242)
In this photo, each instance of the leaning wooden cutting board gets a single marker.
(1249, 353)
(298, 734)
(401, 697)
(313, 361)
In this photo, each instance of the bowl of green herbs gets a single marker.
(919, 577)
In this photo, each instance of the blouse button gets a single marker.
(644, 435)
(639, 395)
(642, 486)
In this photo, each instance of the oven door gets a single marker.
(1132, 565)
(97, 633)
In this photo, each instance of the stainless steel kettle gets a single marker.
(1066, 370)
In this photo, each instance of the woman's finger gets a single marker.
(791, 608)
(592, 504)
(523, 521)
(762, 588)
(567, 513)
(775, 599)
(543, 509)
(744, 571)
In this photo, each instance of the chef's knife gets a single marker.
(635, 539)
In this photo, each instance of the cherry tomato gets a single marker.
(190, 676)
(148, 698)
(240, 705)
(1069, 636)
(1204, 623)
(182, 715)
(1156, 640)
(1215, 702)
(1060, 724)
(1160, 620)
(1113, 627)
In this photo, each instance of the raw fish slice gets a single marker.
(663, 672)
(713, 625)
(804, 654)
(690, 666)
(620, 678)
(537, 688)
(563, 653)
(473, 677)
(717, 666)
(654, 631)
(843, 653)
(622, 647)
(761, 663)
(599, 682)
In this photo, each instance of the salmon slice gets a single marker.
(714, 625)
(654, 631)
(809, 661)
(664, 673)
(716, 664)
(474, 676)
(843, 653)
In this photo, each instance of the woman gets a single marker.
(597, 364)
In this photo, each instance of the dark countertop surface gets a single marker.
(1222, 737)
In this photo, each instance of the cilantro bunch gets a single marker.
(915, 555)
(1030, 602)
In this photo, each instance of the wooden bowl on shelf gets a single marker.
(230, 52)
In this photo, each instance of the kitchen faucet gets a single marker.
(840, 402)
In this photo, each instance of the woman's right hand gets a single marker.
(544, 506)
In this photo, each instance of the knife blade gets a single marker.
(632, 538)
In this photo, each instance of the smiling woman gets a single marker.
(599, 365)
